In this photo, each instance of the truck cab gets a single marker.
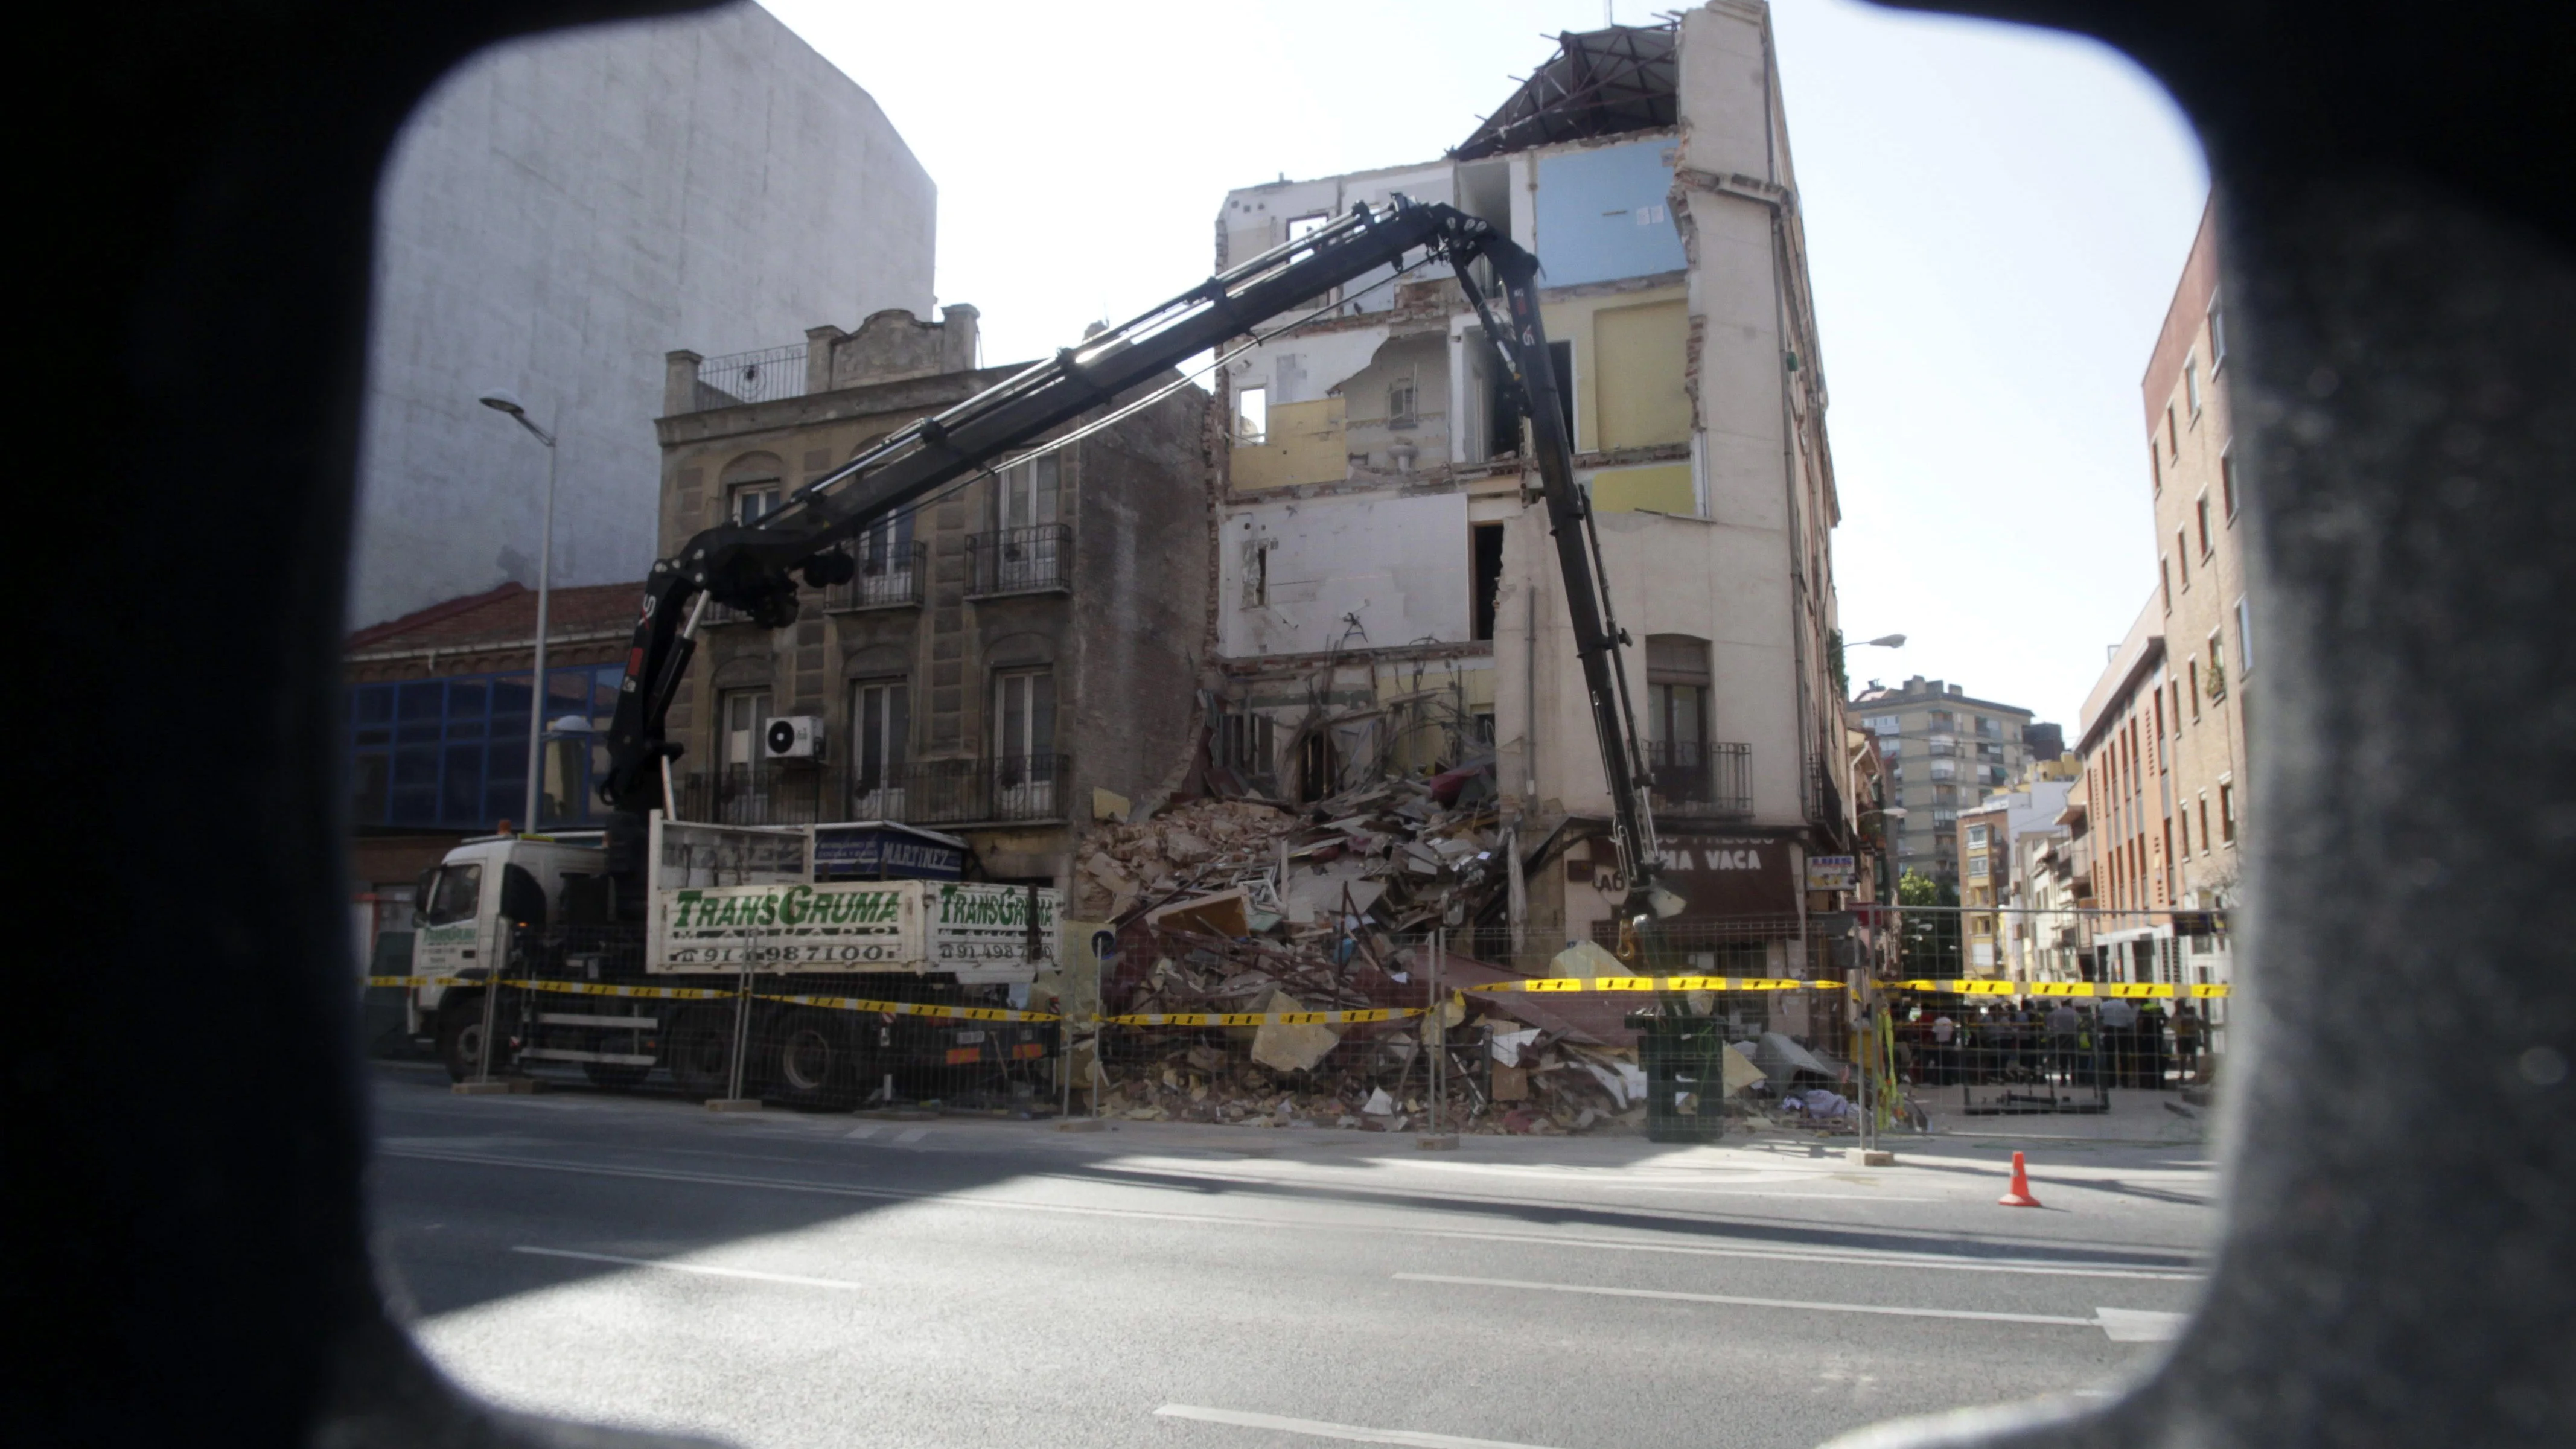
(489, 898)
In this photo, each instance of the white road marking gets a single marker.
(911, 1134)
(863, 1133)
(1349, 1433)
(1856, 1258)
(1977, 1315)
(699, 1268)
(2140, 1325)
(1605, 1183)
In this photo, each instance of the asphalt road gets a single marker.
(776, 1279)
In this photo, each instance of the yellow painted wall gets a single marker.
(1663, 488)
(1637, 377)
(1305, 446)
(1571, 319)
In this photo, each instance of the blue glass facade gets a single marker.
(452, 753)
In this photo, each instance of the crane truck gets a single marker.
(706, 948)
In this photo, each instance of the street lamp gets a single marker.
(1884, 641)
(503, 401)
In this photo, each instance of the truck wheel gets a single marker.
(615, 1076)
(698, 1051)
(812, 1066)
(460, 1036)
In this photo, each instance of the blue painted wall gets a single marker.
(1603, 214)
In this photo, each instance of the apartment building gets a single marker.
(2201, 596)
(1389, 596)
(555, 213)
(2007, 829)
(1944, 749)
(1014, 654)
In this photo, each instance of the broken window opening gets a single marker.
(1319, 768)
(1251, 416)
(1400, 411)
(1485, 550)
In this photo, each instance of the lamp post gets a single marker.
(503, 401)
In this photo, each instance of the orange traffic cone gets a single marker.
(2018, 1195)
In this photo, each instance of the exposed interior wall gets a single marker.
(1603, 212)
(1641, 397)
(1642, 344)
(1303, 577)
(1659, 488)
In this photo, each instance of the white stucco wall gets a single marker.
(1399, 565)
(559, 213)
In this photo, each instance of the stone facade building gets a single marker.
(1014, 654)
(1390, 595)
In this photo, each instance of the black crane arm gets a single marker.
(754, 566)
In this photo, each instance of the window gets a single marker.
(2244, 640)
(1256, 572)
(880, 739)
(2164, 579)
(1482, 722)
(752, 502)
(1992, 729)
(2217, 665)
(2155, 463)
(2204, 822)
(2194, 671)
(454, 896)
(1251, 416)
(2191, 385)
(1977, 838)
(746, 718)
(2182, 829)
(2173, 436)
(885, 550)
(1485, 573)
(1024, 713)
(1027, 496)
(1944, 770)
(1945, 795)
(2217, 336)
(2227, 483)
(1941, 719)
(1677, 683)
(1884, 724)
(2226, 811)
(1400, 411)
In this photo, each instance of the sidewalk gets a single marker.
(2136, 1117)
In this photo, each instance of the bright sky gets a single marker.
(1996, 219)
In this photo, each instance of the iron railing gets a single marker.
(888, 578)
(1033, 560)
(1695, 777)
(750, 377)
(1009, 788)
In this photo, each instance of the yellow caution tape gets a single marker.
(2127, 990)
(414, 980)
(914, 1008)
(1657, 983)
(1262, 1018)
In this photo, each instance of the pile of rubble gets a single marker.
(1242, 907)
(1401, 855)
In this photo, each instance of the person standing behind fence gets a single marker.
(2187, 1032)
(1944, 1032)
(2119, 1025)
(2063, 1024)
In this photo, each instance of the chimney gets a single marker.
(957, 329)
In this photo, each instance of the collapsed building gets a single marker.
(1388, 604)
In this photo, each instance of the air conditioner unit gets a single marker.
(794, 737)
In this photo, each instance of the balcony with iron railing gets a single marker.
(1003, 790)
(1034, 560)
(750, 377)
(887, 578)
(1701, 779)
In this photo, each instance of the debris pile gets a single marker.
(1397, 856)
